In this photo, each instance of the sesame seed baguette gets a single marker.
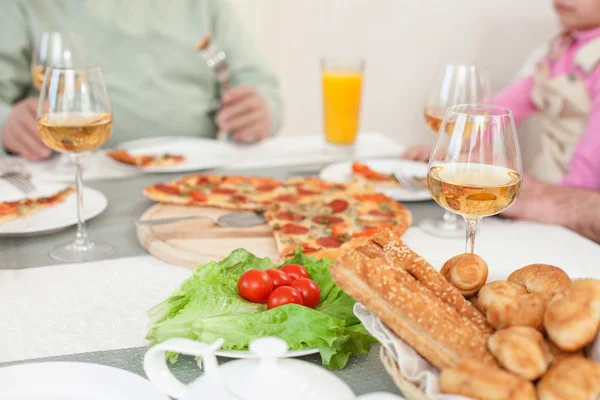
(402, 257)
(410, 310)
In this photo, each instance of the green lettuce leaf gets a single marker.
(207, 307)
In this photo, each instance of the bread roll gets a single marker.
(507, 304)
(574, 378)
(572, 318)
(467, 272)
(497, 292)
(558, 355)
(541, 278)
(479, 381)
(521, 350)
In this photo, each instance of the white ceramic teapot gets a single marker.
(267, 377)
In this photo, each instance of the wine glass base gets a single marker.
(73, 252)
(440, 228)
(340, 149)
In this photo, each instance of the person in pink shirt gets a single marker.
(565, 92)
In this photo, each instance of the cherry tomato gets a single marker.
(284, 295)
(295, 271)
(309, 290)
(255, 285)
(279, 278)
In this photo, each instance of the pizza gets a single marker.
(322, 227)
(307, 212)
(156, 160)
(11, 210)
(366, 176)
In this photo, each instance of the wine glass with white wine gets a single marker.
(475, 169)
(74, 116)
(453, 83)
(56, 49)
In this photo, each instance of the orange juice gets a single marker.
(341, 105)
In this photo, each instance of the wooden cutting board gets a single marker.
(195, 242)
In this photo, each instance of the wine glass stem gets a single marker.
(449, 221)
(81, 240)
(471, 224)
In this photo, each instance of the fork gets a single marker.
(216, 59)
(407, 181)
(20, 181)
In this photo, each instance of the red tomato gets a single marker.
(295, 271)
(279, 278)
(255, 285)
(309, 290)
(284, 295)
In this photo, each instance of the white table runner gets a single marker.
(77, 308)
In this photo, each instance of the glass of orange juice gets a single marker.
(342, 87)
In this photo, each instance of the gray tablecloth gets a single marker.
(115, 225)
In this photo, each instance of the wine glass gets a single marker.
(454, 83)
(475, 168)
(74, 116)
(58, 49)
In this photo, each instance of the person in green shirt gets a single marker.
(158, 84)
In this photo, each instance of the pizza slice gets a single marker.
(367, 177)
(156, 160)
(228, 192)
(324, 225)
(12, 210)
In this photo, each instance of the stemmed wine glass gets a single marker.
(454, 83)
(74, 116)
(56, 49)
(475, 168)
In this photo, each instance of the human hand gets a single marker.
(417, 153)
(245, 114)
(527, 204)
(20, 134)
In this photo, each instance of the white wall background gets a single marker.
(402, 42)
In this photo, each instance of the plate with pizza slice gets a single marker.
(379, 175)
(174, 154)
(52, 207)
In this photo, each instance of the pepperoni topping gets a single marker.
(308, 249)
(375, 197)
(238, 198)
(167, 189)
(266, 188)
(201, 180)
(385, 214)
(197, 196)
(286, 216)
(327, 220)
(287, 198)
(294, 229)
(306, 192)
(235, 179)
(338, 206)
(223, 191)
(330, 242)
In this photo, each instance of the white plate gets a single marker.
(73, 381)
(342, 172)
(247, 354)
(200, 153)
(51, 219)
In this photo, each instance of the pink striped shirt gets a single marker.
(585, 163)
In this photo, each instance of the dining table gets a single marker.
(364, 374)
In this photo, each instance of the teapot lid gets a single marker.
(268, 377)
